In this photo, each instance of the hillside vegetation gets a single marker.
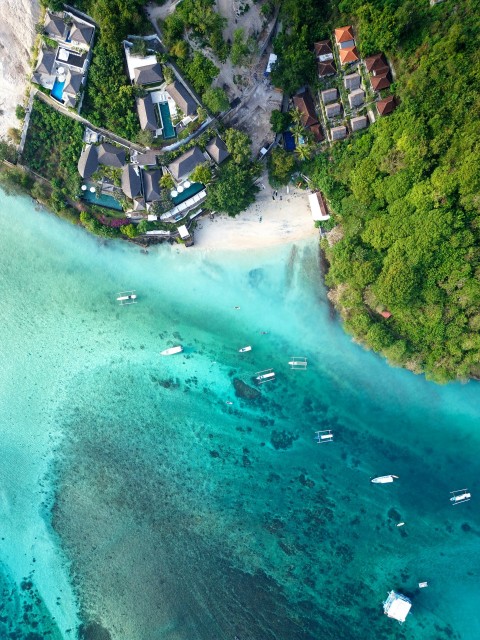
(406, 193)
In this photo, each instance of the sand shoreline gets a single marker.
(266, 223)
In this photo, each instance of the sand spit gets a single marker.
(17, 33)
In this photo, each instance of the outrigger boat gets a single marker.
(171, 351)
(267, 375)
(422, 585)
(244, 349)
(298, 363)
(127, 297)
(383, 479)
(459, 496)
(324, 436)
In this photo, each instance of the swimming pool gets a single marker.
(168, 128)
(194, 188)
(57, 91)
(103, 200)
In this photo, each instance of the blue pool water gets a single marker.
(102, 200)
(168, 128)
(57, 91)
(194, 188)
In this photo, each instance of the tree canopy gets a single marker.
(234, 190)
(405, 193)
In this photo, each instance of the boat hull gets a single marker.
(171, 351)
(383, 479)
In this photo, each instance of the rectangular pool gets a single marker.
(168, 128)
(103, 200)
(193, 189)
(57, 91)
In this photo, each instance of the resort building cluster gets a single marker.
(63, 68)
(352, 90)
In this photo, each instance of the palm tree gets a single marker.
(304, 151)
(298, 131)
(296, 115)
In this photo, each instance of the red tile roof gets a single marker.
(386, 314)
(343, 34)
(348, 55)
(304, 103)
(326, 68)
(322, 48)
(381, 81)
(376, 62)
(386, 106)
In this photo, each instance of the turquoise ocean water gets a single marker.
(133, 496)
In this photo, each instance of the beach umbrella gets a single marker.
(179, 188)
(92, 189)
(84, 187)
(174, 193)
(186, 184)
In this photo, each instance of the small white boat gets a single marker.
(171, 351)
(422, 585)
(264, 376)
(459, 496)
(383, 479)
(228, 402)
(237, 308)
(244, 349)
(400, 524)
(127, 297)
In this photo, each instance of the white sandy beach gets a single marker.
(17, 32)
(266, 223)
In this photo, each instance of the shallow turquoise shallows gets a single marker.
(131, 490)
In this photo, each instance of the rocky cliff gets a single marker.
(17, 32)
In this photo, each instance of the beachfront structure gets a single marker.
(338, 133)
(318, 206)
(386, 106)
(88, 161)
(352, 81)
(360, 122)
(183, 166)
(131, 181)
(329, 95)
(185, 235)
(356, 98)
(332, 110)
(217, 150)
(111, 156)
(397, 606)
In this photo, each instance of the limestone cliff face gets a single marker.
(17, 33)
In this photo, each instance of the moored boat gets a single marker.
(244, 349)
(171, 351)
(383, 479)
(459, 496)
(264, 376)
